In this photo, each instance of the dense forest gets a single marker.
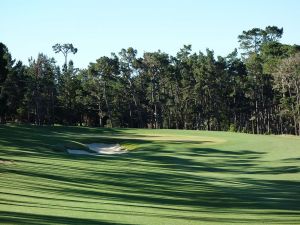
(255, 90)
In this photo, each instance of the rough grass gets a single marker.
(169, 177)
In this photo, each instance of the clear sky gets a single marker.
(99, 27)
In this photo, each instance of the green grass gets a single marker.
(168, 177)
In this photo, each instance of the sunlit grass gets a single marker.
(168, 177)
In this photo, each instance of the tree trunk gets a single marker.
(136, 103)
(107, 104)
(100, 115)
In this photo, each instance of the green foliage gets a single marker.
(5, 67)
(232, 128)
(252, 40)
(256, 93)
(65, 49)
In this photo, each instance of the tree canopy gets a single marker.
(257, 92)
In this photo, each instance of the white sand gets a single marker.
(99, 149)
(7, 162)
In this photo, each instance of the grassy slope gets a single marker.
(171, 177)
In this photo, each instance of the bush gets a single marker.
(232, 128)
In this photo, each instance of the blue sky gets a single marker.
(99, 27)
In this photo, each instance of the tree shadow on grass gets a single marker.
(157, 176)
(167, 181)
(36, 219)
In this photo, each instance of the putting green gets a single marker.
(167, 177)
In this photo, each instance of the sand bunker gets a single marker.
(6, 162)
(99, 149)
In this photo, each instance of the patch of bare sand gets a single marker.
(6, 162)
(98, 149)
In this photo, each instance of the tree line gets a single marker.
(257, 91)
